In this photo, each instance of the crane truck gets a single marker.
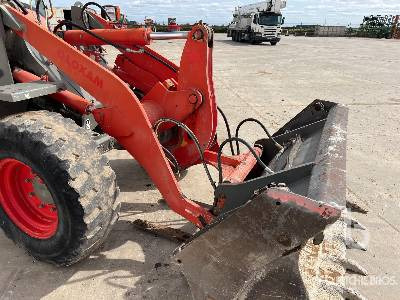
(257, 23)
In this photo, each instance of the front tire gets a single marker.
(239, 38)
(274, 43)
(58, 195)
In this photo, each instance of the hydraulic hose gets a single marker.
(103, 10)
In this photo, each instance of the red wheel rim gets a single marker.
(26, 200)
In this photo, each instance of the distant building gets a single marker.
(330, 31)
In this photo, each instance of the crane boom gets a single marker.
(274, 6)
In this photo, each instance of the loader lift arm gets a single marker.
(123, 116)
(190, 99)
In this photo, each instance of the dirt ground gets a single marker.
(272, 84)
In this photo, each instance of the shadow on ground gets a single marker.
(131, 177)
(135, 263)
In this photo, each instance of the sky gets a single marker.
(324, 12)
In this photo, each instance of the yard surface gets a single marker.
(272, 84)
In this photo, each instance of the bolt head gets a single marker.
(193, 99)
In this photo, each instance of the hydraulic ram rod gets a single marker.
(178, 35)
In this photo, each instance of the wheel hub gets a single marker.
(26, 199)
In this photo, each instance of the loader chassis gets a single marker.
(63, 107)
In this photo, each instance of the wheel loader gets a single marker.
(277, 225)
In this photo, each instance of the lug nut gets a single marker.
(193, 99)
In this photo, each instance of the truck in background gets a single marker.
(257, 23)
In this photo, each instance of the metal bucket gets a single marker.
(252, 250)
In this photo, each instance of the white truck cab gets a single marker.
(257, 23)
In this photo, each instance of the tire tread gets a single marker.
(91, 183)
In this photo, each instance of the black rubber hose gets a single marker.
(264, 166)
(262, 126)
(37, 10)
(119, 47)
(160, 61)
(171, 158)
(21, 6)
(66, 22)
(195, 140)
(228, 129)
(84, 9)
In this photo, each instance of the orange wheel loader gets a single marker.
(276, 226)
